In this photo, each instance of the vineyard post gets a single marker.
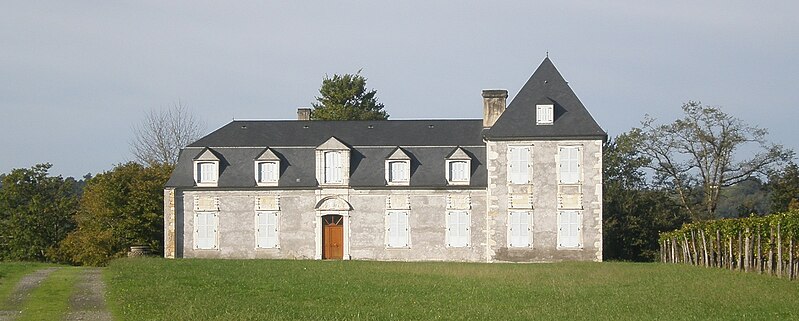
(779, 249)
(770, 264)
(748, 254)
(759, 250)
(719, 249)
(704, 246)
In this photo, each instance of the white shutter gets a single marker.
(267, 234)
(518, 163)
(267, 172)
(458, 230)
(206, 172)
(332, 167)
(398, 171)
(519, 229)
(397, 230)
(205, 230)
(459, 171)
(569, 165)
(569, 229)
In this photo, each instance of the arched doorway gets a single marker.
(332, 237)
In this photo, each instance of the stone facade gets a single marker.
(523, 184)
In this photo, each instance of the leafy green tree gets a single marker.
(633, 213)
(695, 156)
(36, 213)
(119, 208)
(784, 186)
(346, 98)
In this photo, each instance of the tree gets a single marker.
(36, 213)
(345, 98)
(784, 186)
(163, 132)
(695, 156)
(634, 214)
(119, 208)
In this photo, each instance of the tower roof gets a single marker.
(546, 86)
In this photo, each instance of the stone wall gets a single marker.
(544, 194)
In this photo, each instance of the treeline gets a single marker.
(766, 244)
(88, 222)
(659, 177)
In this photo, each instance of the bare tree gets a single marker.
(163, 132)
(696, 155)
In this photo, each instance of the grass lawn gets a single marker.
(11, 272)
(159, 289)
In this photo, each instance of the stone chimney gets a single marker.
(303, 113)
(493, 105)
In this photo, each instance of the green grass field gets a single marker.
(158, 289)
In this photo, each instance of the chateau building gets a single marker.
(523, 184)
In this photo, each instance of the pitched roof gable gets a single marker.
(398, 154)
(458, 153)
(333, 143)
(545, 87)
(206, 155)
(267, 155)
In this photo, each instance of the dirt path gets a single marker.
(21, 291)
(88, 300)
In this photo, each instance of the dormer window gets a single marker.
(398, 171)
(206, 173)
(398, 168)
(267, 172)
(206, 168)
(544, 114)
(458, 167)
(267, 168)
(459, 171)
(333, 163)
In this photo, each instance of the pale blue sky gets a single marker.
(75, 76)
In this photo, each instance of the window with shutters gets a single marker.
(458, 229)
(519, 164)
(458, 171)
(397, 229)
(398, 171)
(519, 229)
(267, 173)
(206, 173)
(267, 229)
(570, 229)
(544, 114)
(569, 164)
(333, 167)
(206, 230)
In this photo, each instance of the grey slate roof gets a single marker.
(546, 86)
(427, 142)
(312, 133)
(297, 167)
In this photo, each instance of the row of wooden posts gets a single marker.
(764, 245)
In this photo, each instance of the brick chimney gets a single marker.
(303, 113)
(493, 105)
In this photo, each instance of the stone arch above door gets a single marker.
(332, 203)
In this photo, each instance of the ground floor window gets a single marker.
(206, 229)
(267, 229)
(570, 229)
(519, 229)
(458, 228)
(397, 229)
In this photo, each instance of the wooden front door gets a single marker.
(332, 237)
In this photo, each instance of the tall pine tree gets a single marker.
(344, 97)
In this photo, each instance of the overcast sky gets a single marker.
(76, 76)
